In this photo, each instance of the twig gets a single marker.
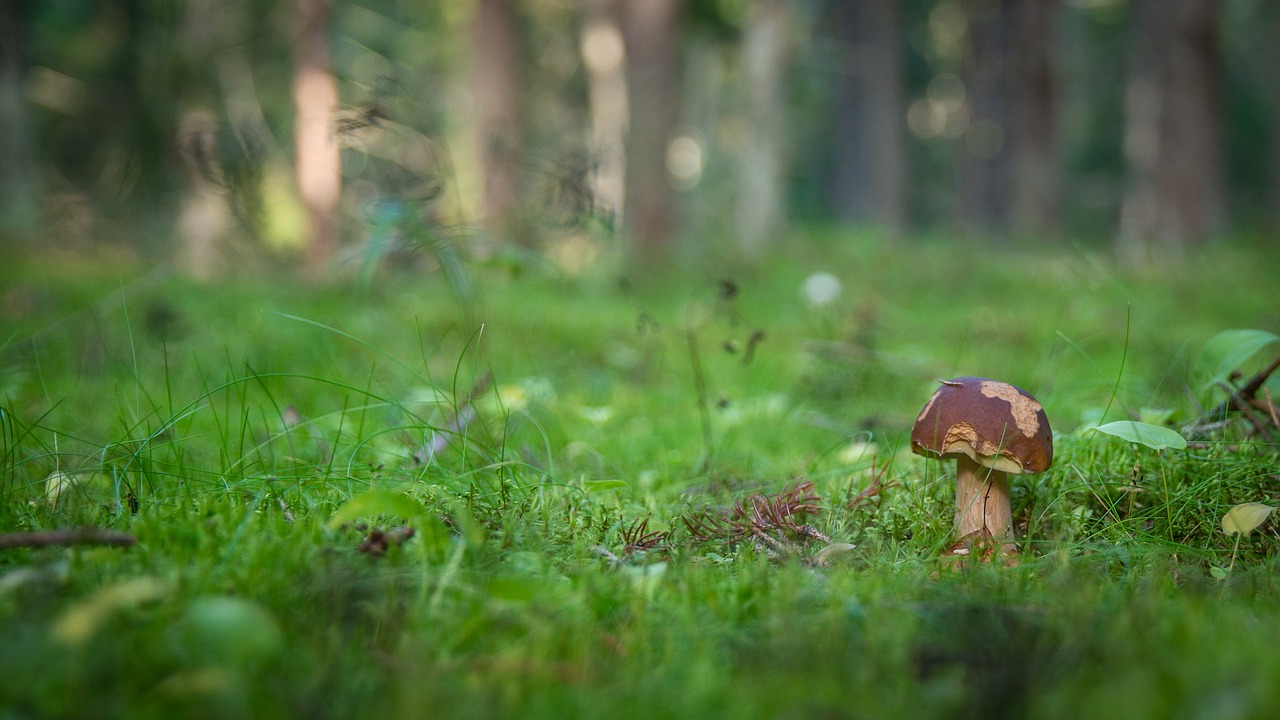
(66, 538)
(770, 542)
(1248, 392)
(1251, 388)
(1246, 409)
(1244, 400)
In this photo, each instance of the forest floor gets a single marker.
(553, 495)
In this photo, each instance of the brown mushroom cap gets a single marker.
(994, 423)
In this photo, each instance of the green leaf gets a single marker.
(1225, 352)
(1153, 436)
(1243, 518)
(378, 502)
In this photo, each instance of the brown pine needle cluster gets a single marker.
(777, 522)
(638, 538)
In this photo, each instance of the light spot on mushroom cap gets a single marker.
(932, 399)
(963, 438)
(960, 432)
(1025, 410)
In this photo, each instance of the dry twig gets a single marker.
(66, 538)
(1246, 401)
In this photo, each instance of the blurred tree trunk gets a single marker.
(604, 54)
(1173, 130)
(495, 83)
(653, 67)
(985, 170)
(1272, 58)
(761, 206)
(1033, 142)
(1010, 172)
(19, 174)
(869, 180)
(316, 162)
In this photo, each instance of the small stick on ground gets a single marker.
(1248, 393)
(1247, 410)
(66, 538)
(1251, 388)
(1244, 400)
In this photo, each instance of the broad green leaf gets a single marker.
(1153, 436)
(1243, 518)
(1225, 352)
(378, 502)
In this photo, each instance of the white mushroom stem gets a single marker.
(982, 500)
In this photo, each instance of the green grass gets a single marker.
(224, 426)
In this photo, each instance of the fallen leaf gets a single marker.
(1243, 518)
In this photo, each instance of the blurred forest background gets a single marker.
(230, 134)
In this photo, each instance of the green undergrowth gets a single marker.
(375, 502)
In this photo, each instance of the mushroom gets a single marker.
(992, 429)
